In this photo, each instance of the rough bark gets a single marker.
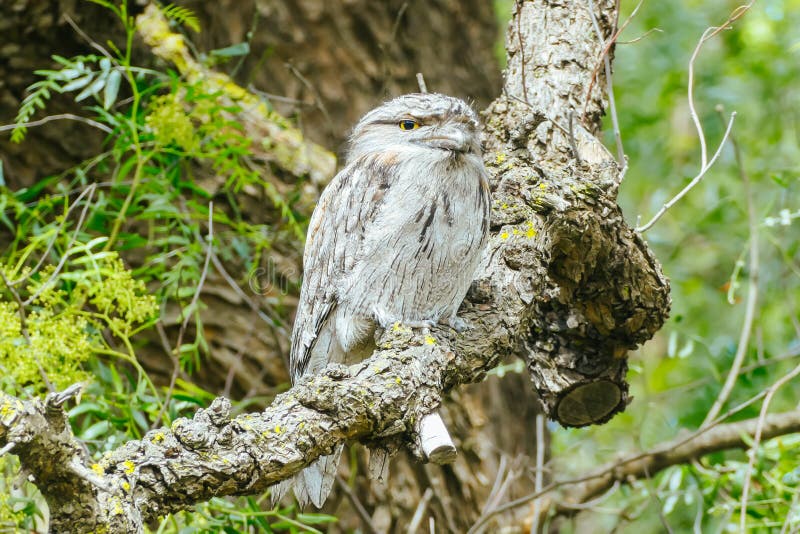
(565, 284)
(213, 455)
(585, 286)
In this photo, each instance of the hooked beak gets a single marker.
(448, 137)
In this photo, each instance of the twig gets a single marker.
(752, 291)
(7, 447)
(707, 35)
(609, 87)
(61, 116)
(665, 453)
(762, 416)
(416, 519)
(88, 190)
(64, 257)
(537, 504)
(192, 304)
(645, 34)
(594, 502)
(278, 98)
(605, 51)
(366, 520)
(790, 355)
(308, 85)
(238, 290)
(94, 44)
(705, 164)
(421, 82)
(694, 182)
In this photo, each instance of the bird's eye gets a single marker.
(408, 124)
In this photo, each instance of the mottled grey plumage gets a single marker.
(396, 236)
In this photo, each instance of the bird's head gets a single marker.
(419, 120)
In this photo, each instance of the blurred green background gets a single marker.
(703, 243)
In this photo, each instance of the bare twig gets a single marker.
(610, 86)
(72, 239)
(752, 292)
(188, 315)
(60, 116)
(681, 450)
(308, 85)
(366, 520)
(694, 182)
(537, 504)
(645, 34)
(421, 82)
(7, 447)
(94, 44)
(604, 54)
(419, 513)
(707, 35)
(705, 164)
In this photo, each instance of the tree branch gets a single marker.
(213, 455)
(577, 492)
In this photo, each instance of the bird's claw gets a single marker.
(458, 324)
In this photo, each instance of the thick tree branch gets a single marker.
(214, 455)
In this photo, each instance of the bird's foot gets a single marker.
(458, 324)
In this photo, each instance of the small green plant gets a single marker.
(96, 255)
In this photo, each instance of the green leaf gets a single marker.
(93, 89)
(241, 49)
(78, 84)
(316, 519)
(111, 89)
(96, 430)
(182, 15)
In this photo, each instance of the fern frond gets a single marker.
(39, 94)
(182, 15)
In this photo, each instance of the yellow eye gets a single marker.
(408, 124)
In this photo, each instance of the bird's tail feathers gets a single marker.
(314, 483)
(279, 490)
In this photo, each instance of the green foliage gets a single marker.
(244, 515)
(95, 256)
(182, 15)
(63, 326)
(704, 245)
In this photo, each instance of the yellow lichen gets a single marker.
(129, 467)
(504, 235)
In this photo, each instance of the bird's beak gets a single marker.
(450, 137)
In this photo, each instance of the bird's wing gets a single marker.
(346, 208)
